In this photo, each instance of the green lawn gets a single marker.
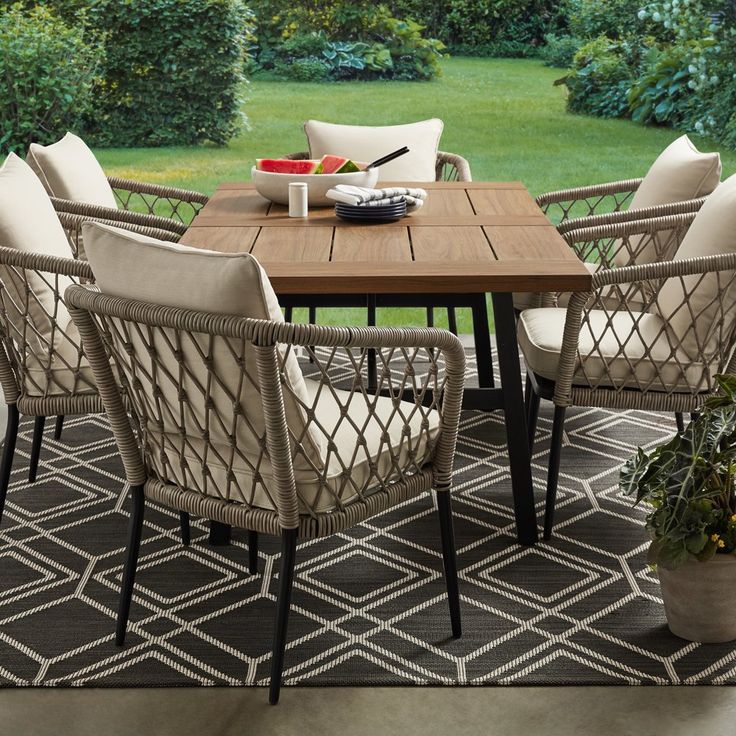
(503, 115)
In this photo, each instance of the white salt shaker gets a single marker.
(298, 199)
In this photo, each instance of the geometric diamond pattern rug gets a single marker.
(369, 605)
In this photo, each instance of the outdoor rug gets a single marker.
(369, 605)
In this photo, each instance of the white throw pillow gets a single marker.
(29, 223)
(69, 170)
(366, 143)
(713, 231)
(679, 173)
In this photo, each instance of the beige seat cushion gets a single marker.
(128, 265)
(29, 223)
(69, 170)
(613, 348)
(712, 232)
(367, 143)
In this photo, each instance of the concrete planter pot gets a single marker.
(700, 599)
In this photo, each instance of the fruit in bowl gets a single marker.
(272, 177)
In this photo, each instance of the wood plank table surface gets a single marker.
(469, 239)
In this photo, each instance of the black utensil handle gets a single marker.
(388, 157)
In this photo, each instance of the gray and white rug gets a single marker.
(369, 605)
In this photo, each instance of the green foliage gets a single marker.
(689, 484)
(559, 51)
(355, 40)
(47, 70)
(602, 74)
(308, 69)
(173, 72)
(615, 19)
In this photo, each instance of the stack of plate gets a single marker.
(365, 213)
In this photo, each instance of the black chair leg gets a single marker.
(186, 532)
(253, 552)
(131, 562)
(532, 412)
(430, 316)
(449, 558)
(452, 320)
(680, 422)
(288, 313)
(694, 415)
(11, 435)
(36, 448)
(286, 579)
(553, 473)
(58, 426)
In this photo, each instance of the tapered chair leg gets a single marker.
(288, 313)
(680, 422)
(430, 316)
(36, 448)
(253, 552)
(531, 399)
(58, 426)
(131, 562)
(553, 473)
(452, 320)
(186, 533)
(447, 532)
(286, 579)
(11, 435)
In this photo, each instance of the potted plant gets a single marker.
(689, 484)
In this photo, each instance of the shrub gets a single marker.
(47, 70)
(559, 51)
(173, 73)
(309, 69)
(603, 72)
(589, 19)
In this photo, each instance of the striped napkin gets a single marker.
(365, 197)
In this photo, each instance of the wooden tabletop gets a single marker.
(469, 237)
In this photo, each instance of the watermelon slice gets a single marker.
(287, 166)
(336, 165)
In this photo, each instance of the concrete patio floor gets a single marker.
(511, 711)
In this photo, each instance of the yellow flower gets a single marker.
(733, 518)
(721, 544)
(714, 537)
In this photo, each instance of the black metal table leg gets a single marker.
(516, 430)
(219, 534)
(482, 339)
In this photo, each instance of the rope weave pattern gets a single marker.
(224, 427)
(641, 356)
(156, 199)
(586, 201)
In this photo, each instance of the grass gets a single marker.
(504, 115)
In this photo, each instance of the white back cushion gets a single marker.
(712, 232)
(366, 143)
(69, 170)
(680, 172)
(29, 223)
(129, 265)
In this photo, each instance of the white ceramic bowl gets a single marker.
(276, 186)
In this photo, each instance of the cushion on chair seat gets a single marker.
(366, 143)
(613, 351)
(69, 170)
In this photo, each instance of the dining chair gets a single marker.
(652, 336)
(224, 424)
(677, 182)
(366, 143)
(43, 368)
(77, 184)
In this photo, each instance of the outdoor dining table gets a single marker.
(469, 239)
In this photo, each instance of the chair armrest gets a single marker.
(72, 225)
(113, 214)
(452, 167)
(586, 201)
(171, 202)
(620, 243)
(643, 213)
